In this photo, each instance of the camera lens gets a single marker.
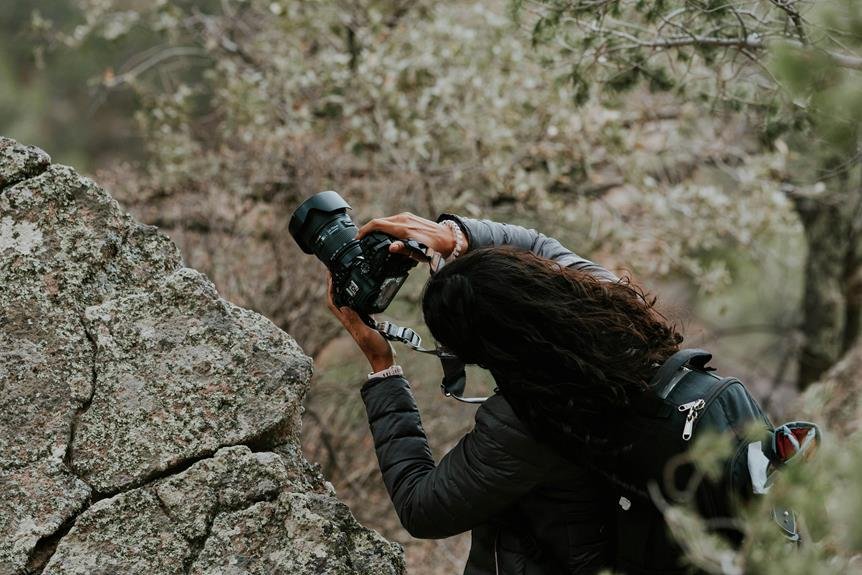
(321, 226)
(365, 275)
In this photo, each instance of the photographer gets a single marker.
(568, 344)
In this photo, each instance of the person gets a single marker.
(568, 344)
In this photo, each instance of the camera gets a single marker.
(365, 275)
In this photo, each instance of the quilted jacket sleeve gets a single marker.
(491, 467)
(483, 233)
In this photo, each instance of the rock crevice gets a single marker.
(85, 404)
(149, 425)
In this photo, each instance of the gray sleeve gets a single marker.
(483, 233)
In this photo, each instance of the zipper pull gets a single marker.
(692, 407)
(697, 404)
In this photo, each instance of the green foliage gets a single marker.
(50, 95)
(624, 79)
(816, 79)
(825, 494)
(452, 93)
(711, 451)
(545, 27)
(704, 549)
(709, 35)
(718, 50)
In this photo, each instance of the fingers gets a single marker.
(329, 295)
(347, 316)
(396, 225)
(376, 225)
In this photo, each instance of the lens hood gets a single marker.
(326, 202)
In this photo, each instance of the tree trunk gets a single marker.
(853, 278)
(833, 278)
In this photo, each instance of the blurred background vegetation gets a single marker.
(709, 149)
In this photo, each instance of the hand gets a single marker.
(377, 350)
(408, 226)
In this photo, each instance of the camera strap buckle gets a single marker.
(454, 373)
(404, 335)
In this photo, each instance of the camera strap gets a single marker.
(454, 370)
(404, 335)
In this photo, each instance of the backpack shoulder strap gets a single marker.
(667, 376)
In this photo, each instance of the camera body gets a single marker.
(370, 280)
(365, 275)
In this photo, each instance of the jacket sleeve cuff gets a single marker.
(387, 395)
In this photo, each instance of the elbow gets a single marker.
(420, 526)
(424, 531)
(415, 531)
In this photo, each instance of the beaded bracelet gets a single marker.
(391, 370)
(459, 238)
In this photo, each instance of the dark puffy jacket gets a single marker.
(531, 512)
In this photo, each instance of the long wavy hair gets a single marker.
(568, 350)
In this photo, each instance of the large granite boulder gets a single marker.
(146, 424)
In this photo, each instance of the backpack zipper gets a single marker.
(692, 407)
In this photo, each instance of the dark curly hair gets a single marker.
(568, 350)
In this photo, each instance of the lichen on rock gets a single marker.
(180, 373)
(20, 162)
(148, 425)
(236, 512)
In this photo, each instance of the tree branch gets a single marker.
(795, 17)
(752, 42)
(111, 81)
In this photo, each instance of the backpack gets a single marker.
(687, 400)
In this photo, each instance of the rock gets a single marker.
(46, 371)
(128, 533)
(236, 512)
(20, 162)
(835, 401)
(296, 533)
(180, 373)
(35, 501)
(148, 425)
(79, 248)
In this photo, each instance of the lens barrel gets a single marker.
(321, 226)
(365, 275)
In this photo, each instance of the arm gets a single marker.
(478, 234)
(491, 467)
(483, 233)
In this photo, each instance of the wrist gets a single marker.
(456, 241)
(380, 363)
(447, 241)
(462, 225)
